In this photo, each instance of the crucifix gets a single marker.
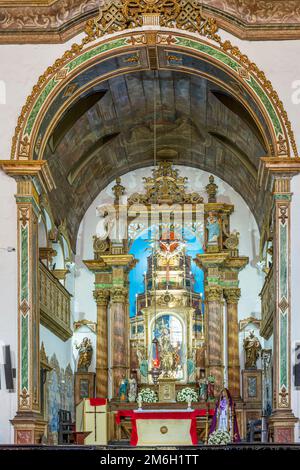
(95, 413)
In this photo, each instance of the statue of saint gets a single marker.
(211, 387)
(166, 351)
(143, 361)
(225, 418)
(85, 355)
(203, 386)
(252, 349)
(123, 389)
(132, 392)
(213, 228)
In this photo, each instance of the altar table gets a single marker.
(163, 427)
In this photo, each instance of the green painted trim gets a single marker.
(283, 269)
(283, 350)
(283, 197)
(36, 108)
(29, 200)
(235, 66)
(96, 51)
(103, 286)
(69, 67)
(24, 263)
(24, 341)
(214, 280)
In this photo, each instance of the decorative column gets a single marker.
(119, 337)
(32, 178)
(214, 334)
(282, 421)
(111, 285)
(232, 297)
(276, 174)
(102, 299)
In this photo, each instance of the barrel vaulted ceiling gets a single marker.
(109, 131)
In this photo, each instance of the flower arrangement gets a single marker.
(187, 395)
(147, 396)
(219, 438)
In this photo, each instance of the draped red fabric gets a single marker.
(98, 401)
(192, 415)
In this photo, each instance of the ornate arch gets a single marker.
(144, 26)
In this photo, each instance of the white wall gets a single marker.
(54, 345)
(8, 296)
(21, 66)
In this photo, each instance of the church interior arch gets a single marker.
(162, 105)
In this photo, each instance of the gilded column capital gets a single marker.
(119, 294)
(232, 295)
(101, 296)
(213, 294)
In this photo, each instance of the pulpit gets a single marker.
(91, 418)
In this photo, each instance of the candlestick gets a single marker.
(146, 293)
(202, 317)
(191, 297)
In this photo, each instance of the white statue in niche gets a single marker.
(132, 392)
(105, 226)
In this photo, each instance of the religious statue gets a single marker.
(252, 349)
(225, 418)
(123, 389)
(203, 386)
(132, 392)
(211, 387)
(85, 355)
(170, 355)
(143, 361)
(213, 228)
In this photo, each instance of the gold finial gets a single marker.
(118, 190)
(212, 189)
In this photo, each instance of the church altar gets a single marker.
(164, 427)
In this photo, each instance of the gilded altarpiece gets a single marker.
(184, 315)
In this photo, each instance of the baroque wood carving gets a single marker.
(57, 20)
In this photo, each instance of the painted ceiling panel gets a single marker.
(116, 135)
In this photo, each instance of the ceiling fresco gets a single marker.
(109, 131)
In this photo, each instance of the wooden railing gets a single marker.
(267, 305)
(55, 304)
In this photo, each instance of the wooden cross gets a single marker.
(95, 413)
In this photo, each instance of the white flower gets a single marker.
(219, 438)
(147, 396)
(187, 394)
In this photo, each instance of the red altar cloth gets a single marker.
(192, 415)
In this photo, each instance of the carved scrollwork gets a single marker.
(232, 295)
(119, 294)
(213, 294)
(165, 186)
(101, 296)
(117, 15)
